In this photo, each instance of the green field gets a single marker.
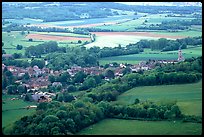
(12, 39)
(148, 54)
(187, 96)
(115, 40)
(135, 127)
(151, 19)
(11, 109)
(185, 33)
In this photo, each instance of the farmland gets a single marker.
(187, 96)
(67, 58)
(15, 37)
(113, 39)
(148, 54)
(135, 127)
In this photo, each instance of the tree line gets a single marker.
(173, 25)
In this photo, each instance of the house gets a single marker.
(56, 84)
(37, 70)
(41, 98)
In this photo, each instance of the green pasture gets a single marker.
(156, 55)
(135, 127)
(187, 96)
(185, 33)
(11, 109)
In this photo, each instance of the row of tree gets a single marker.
(168, 45)
(173, 25)
(44, 48)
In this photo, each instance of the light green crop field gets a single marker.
(12, 39)
(187, 96)
(11, 109)
(148, 54)
(135, 127)
(115, 40)
(186, 33)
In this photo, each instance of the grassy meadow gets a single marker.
(11, 109)
(135, 127)
(187, 96)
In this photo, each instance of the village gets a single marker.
(39, 78)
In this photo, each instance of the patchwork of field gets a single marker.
(135, 127)
(133, 24)
(12, 39)
(156, 55)
(113, 39)
(187, 96)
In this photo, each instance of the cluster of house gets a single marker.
(39, 77)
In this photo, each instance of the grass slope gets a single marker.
(135, 127)
(187, 96)
(11, 111)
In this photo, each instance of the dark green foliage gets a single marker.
(19, 47)
(79, 77)
(43, 48)
(71, 88)
(109, 74)
(51, 120)
(39, 63)
(22, 89)
(17, 55)
(28, 97)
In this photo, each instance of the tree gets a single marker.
(11, 89)
(26, 76)
(3, 51)
(17, 55)
(2, 43)
(89, 83)
(28, 97)
(50, 118)
(68, 97)
(4, 82)
(137, 101)
(22, 89)
(51, 78)
(19, 47)
(61, 114)
(64, 77)
(39, 63)
(109, 73)
(79, 41)
(71, 88)
(126, 70)
(79, 77)
(30, 40)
